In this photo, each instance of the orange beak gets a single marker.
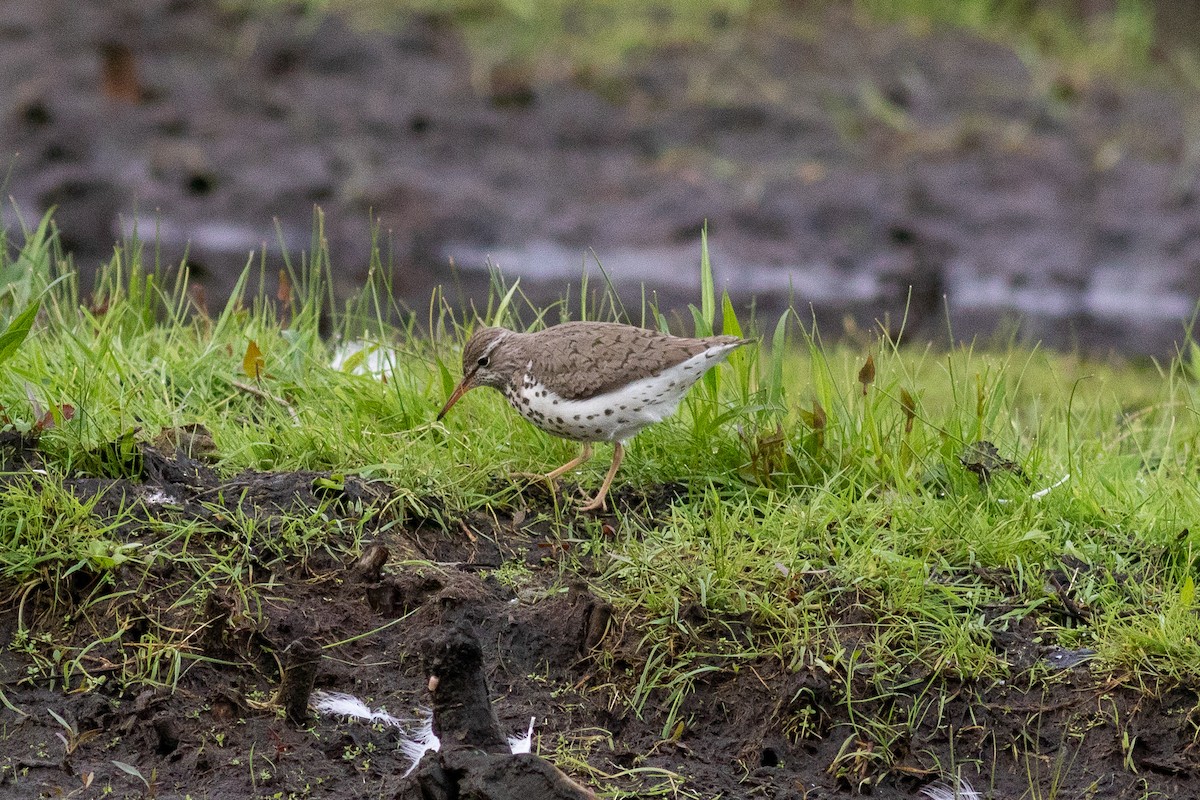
(462, 388)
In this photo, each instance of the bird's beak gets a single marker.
(465, 386)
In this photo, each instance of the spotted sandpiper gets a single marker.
(589, 381)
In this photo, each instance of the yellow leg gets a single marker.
(598, 500)
(583, 456)
(552, 477)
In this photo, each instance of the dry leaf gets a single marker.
(252, 362)
(909, 406)
(199, 298)
(284, 292)
(983, 458)
(817, 420)
(866, 375)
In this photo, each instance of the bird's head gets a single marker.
(483, 364)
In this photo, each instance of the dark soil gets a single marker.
(553, 650)
(864, 169)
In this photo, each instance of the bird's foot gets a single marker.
(596, 504)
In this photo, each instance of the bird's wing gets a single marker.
(590, 359)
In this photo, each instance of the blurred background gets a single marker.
(986, 167)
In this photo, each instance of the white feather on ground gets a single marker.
(952, 789)
(1040, 493)
(347, 705)
(416, 743)
(522, 744)
(418, 737)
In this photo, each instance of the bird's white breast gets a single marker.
(617, 415)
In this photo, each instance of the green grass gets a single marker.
(1119, 38)
(592, 38)
(825, 519)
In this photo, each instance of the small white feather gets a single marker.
(523, 744)
(419, 740)
(1040, 493)
(347, 705)
(952, 789)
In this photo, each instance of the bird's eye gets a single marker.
(483, 361)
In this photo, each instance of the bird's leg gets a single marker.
(598, 501)
(552, 477)
(583, 456)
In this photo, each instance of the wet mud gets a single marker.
(371, 622)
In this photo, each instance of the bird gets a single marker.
(589, 381)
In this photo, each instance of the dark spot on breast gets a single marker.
(577, 417)
(608, 412)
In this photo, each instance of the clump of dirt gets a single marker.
(475, 760)
(99, 719)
